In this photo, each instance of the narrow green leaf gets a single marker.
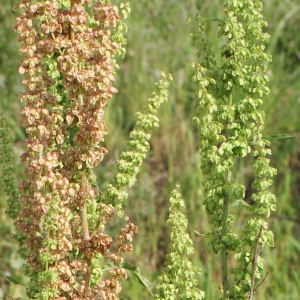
(278, 136)
(238, 202)
(143, 280)
(137, 272)
(127, 266)
(14, 280)
(205, 235)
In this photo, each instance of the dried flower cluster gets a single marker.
(69, 66)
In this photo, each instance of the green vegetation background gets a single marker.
(158, 39)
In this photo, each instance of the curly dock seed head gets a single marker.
(69, 66)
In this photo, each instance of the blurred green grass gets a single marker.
(158, 39)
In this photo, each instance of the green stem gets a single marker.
(224, 251)
(230, 98)
(225, 229)
(47, 267)
(254, 260)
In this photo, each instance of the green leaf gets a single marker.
(137, 272)
(278, 136)
(14, 280)
(238, 202)
(205, 235)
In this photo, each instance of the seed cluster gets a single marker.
(68, 66)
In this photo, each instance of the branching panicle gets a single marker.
(231, 125)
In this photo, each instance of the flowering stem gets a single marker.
(85, 225)
(256, 251)
(224, 251)
(71, 30)
(225, 229)
(85, 228)
(47, 269)
(88, 274)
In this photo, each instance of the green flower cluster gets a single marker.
(130, 161)
(230, 126)
(177, 279)
(120, 30)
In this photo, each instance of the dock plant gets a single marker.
(69, 64)
(230, 90)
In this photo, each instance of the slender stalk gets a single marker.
(71, 30)
(230, 98)
(85, 228)
(254, 260)
(47, 269)
(96, 227)
(261, 282)
(85, 225)
(225, 229)
(86, 236)
(88, 275)
(84, 217)
(224, 251)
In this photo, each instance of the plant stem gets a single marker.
(86, 236)
(230, 98)
(85, 229)
(225, 229)
(88, 275)
(71, 30)
(254, 260)
(85, 225)
(224, 251)
(47, 268)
